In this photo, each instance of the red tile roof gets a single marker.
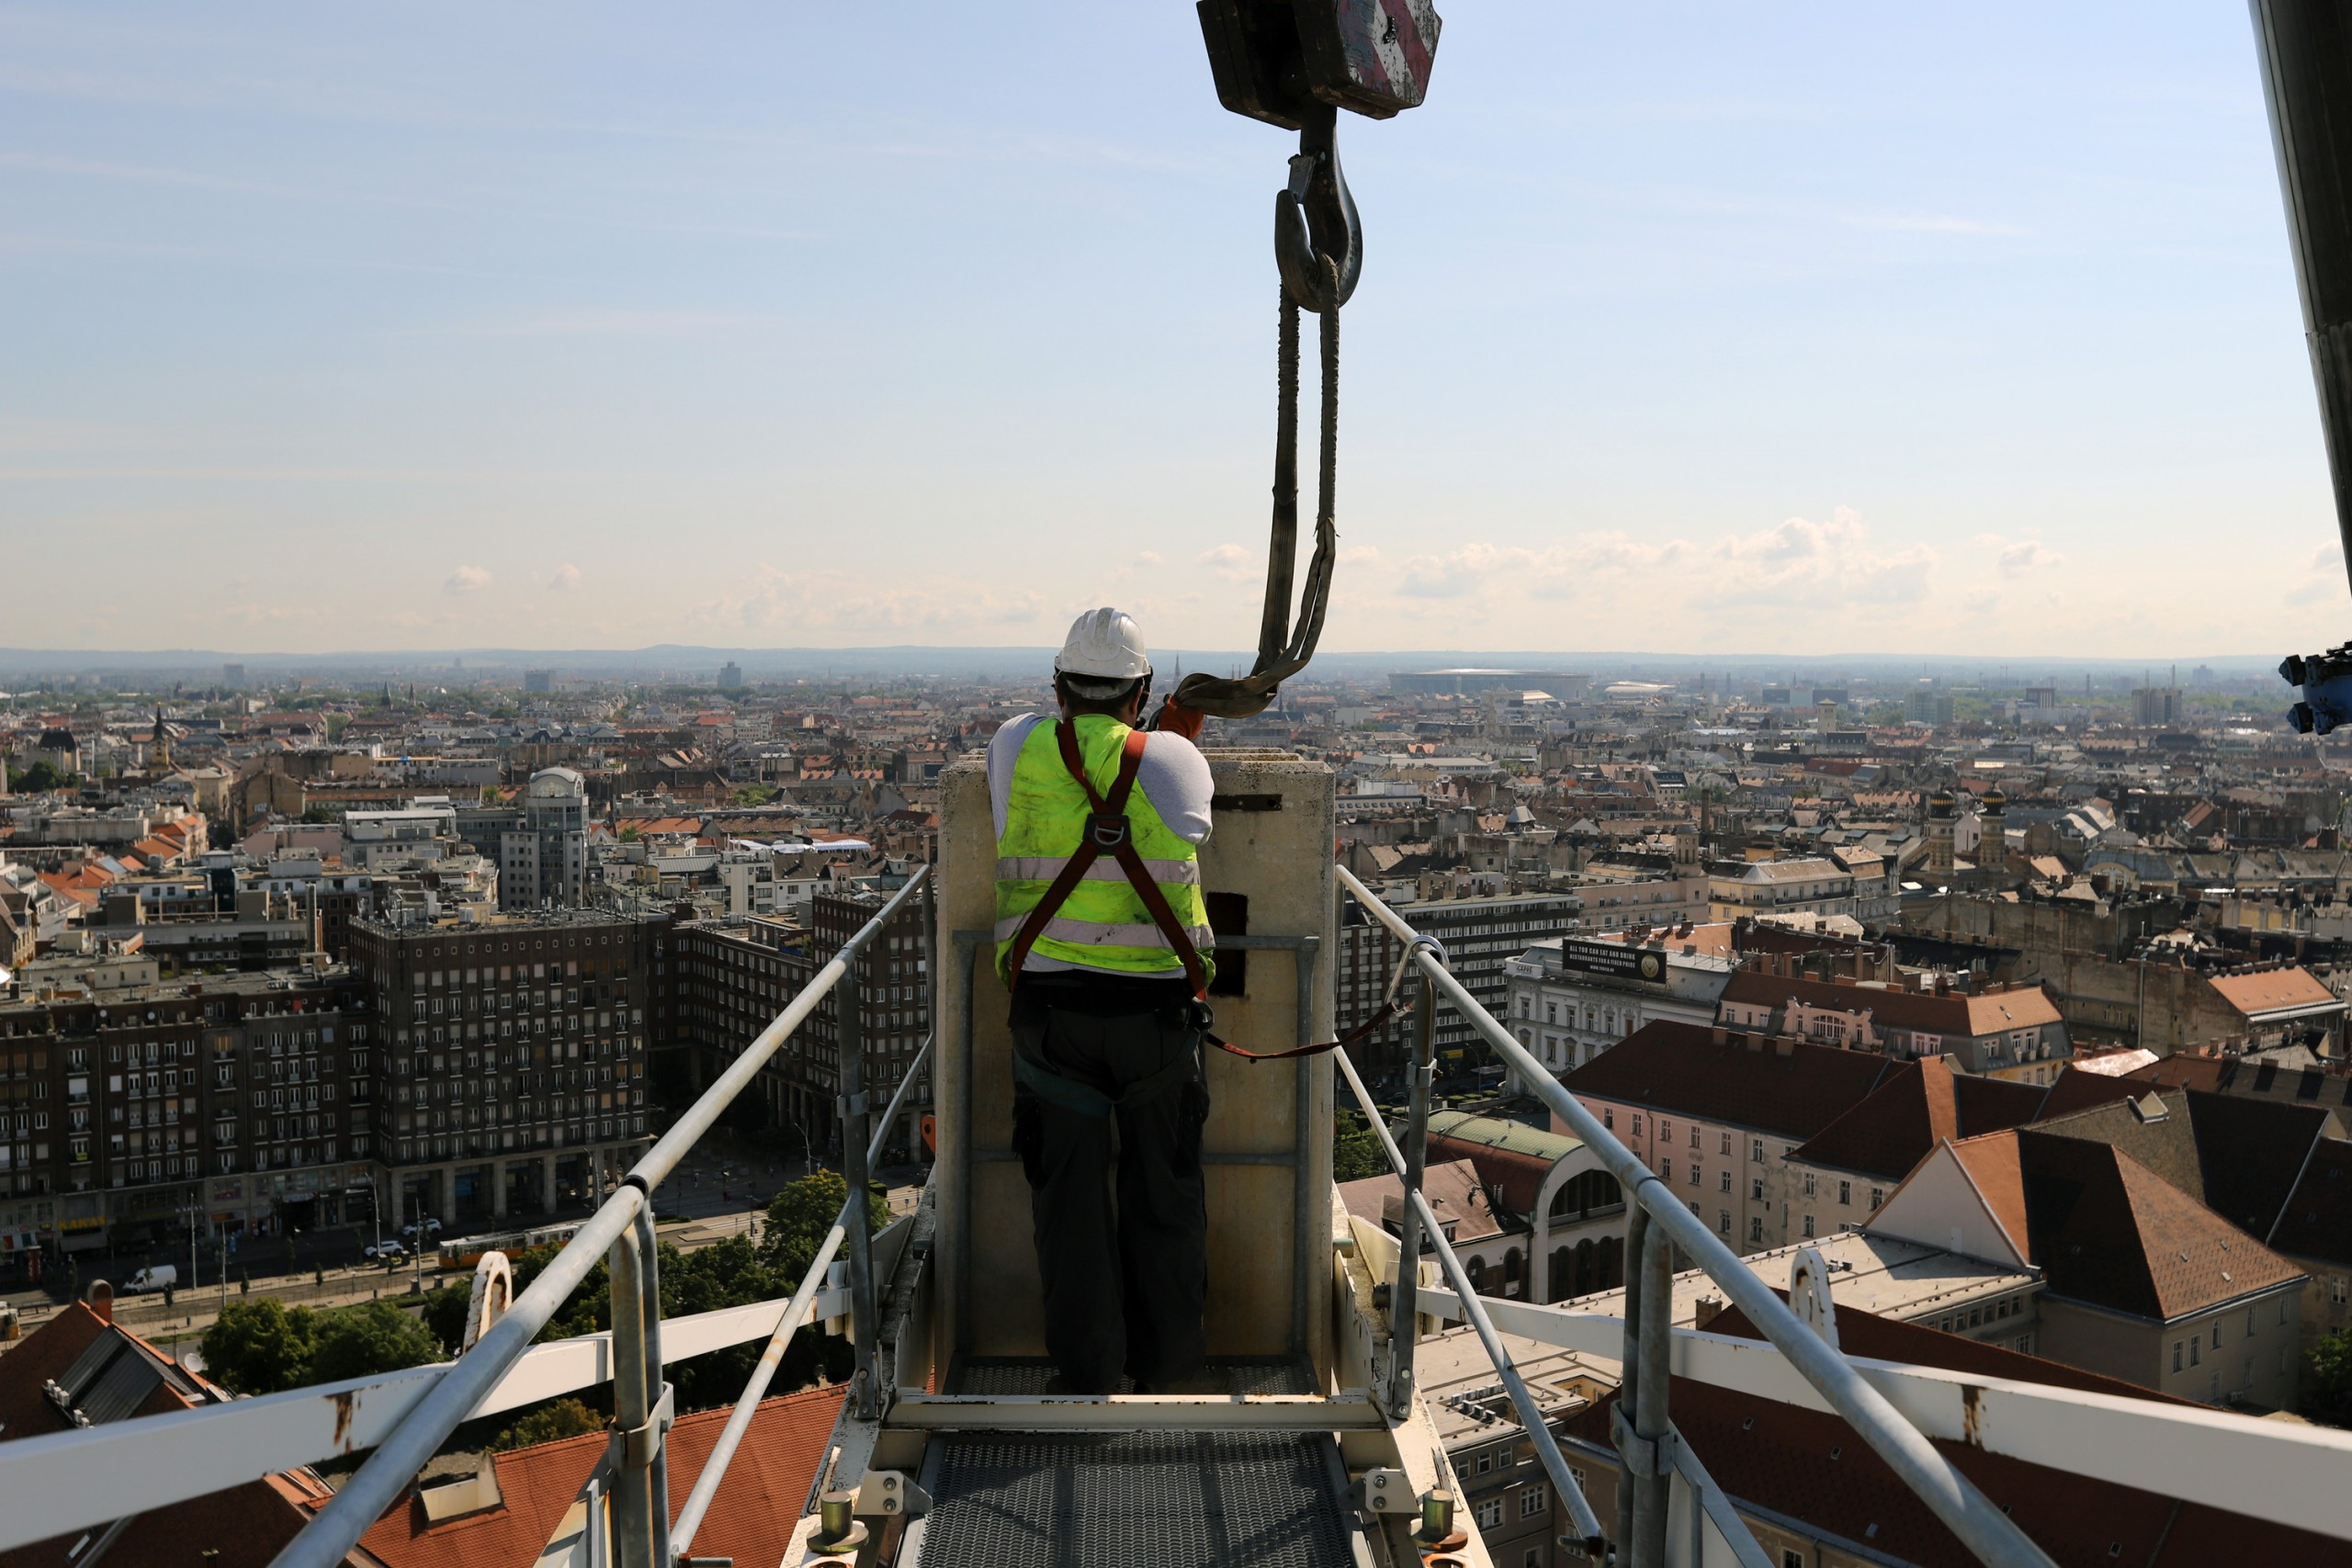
(751, 1519)
(1917, 1106)
(1972, 1014)
(2108, 1231)
(243, 1526)
(1792, 1087)
(2271, 991)
(2317, 1220)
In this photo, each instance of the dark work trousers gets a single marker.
(1125, 1281)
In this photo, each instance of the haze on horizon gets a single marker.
(1689, 328)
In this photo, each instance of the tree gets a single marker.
(39, 779)
(1355, 1153)
(2327, 1392)
(444, 1314)
(372, 1337)
(801, 1215)
(550, 1423)
(258, 1347)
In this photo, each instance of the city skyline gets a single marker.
(1802, 335)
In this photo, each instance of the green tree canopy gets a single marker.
(257, 1346)
(2328, 1392)
(548, 1424)
(374, 1337)
(802, 1213)
(1355, 1153)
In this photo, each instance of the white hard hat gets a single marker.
(1105, 644)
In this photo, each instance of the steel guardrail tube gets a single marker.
(388, 1473)
(379, 1483)
(1965, 1511)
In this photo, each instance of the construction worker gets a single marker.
(1102, 930)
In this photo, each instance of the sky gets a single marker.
(1840, 328)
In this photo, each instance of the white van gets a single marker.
(153, 1278)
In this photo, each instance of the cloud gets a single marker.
(466, 579)
(2018, 557)
(1151, 559)
(1229, 561)
(831, 602)
(564, 577)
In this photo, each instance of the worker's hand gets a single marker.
(1177, 719)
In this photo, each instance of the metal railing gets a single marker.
(1657, 1223)
(623, 1227)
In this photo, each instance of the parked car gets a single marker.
(431, 1227)
(152, 1278)
(389, 1250)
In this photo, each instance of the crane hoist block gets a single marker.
(1278, 60)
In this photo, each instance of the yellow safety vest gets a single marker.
(1103, 923)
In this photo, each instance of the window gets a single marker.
(1609, 1121)
(2217, 1334)
(1637, 1126)
(1845, 1193)
(2196, 1347)
(1722, 1182)
(1666, 1172)
(1486, 1462)
(1756, 1189)
(1756, 1150)
(1808, 1227)
(1791, 1558)
(1694, 1137)
(1726, 1148)
(1697, 1175)
(1491, 1514)
(2336, 1287)
(1808, 1184)
(1755, 1230)
(1532, 1501)
(1665, 1130)
(1878, 1197)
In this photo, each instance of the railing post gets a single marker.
(640, 1489)
(1649, 1378)
(657, 1476)
(863, 1393)
(1637, 1230)
(1404, 1304)
(931, 993)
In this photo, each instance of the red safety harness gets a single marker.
(1108, 831)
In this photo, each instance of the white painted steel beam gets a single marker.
(75, 1479)
(2268, 1470)
(1137, 1413)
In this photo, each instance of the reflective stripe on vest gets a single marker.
(1045, 868)
(1104, 924)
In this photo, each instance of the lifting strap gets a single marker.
(1108, 831)
(1284, 649)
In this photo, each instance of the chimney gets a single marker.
(102, 1300)
(1709, 1308)
(1784, 1046)
(1718, 1035)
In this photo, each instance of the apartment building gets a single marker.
(1995, 1030)
(1716, 1113)
(734, 976)
(245, 1101)
(514, 1054)
(1481, 936)
(1571, 997)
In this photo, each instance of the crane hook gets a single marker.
(1315, 218)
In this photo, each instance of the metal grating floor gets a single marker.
(997, 1376)
(1133, 1500)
